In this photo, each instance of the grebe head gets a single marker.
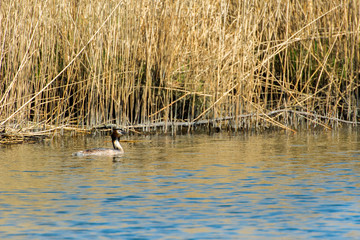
(117, 133)
(115, 137)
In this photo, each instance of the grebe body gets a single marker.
(118, 150)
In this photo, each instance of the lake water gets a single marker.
(220, 186)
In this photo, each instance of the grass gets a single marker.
(233, 64)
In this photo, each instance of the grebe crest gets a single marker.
(115, 137)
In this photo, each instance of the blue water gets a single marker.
(267, 186)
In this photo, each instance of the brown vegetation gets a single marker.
(240, 64)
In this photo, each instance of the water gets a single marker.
(269, 186)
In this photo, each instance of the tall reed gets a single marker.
(171, 61)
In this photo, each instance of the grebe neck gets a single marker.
(117, 145)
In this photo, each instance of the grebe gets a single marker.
(115, 136)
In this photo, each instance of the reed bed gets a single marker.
(238, 65)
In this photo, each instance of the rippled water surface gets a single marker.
(267, 186)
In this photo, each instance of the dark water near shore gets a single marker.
(268, 186)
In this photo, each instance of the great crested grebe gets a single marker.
(115, 136)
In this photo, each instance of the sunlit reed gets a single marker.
(238, 64)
